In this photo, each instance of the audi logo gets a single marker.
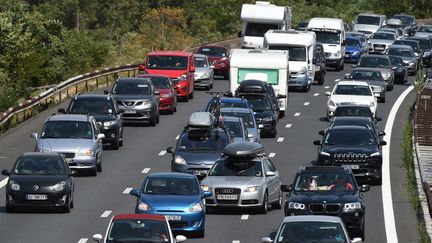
(227, 191)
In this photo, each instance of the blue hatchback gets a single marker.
(177, 196)
(353, 49)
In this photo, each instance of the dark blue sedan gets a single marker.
(177, 196)
(354, 49)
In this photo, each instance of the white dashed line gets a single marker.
(289, 125)
(106, 214)
(83, 240)
(178, 136)
(306, 103)
(2, 157)
(337, 80)
(146, 170)
(235, 241)
(162, 153)
(3, 182)
(297, 114)
(244, 217)
(127, 190)
(271, 155)
(316, 94)
(280, 139)
(327, 87)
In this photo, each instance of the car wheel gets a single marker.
(211, 85)
(281, 114)
(305, 88)
(342, 66)
(321, 80)
(338, 68)
(153, 120)
(191, 95)
(116, 143)
(264, 206)
(186, 98)
(226, 76)
(157, 118)
(199, 234)
(67, 207)
(121, 140)
(99, 167)
(273, 132)
(72, 201)
(279, 202)
(93, 171)
(382, 100)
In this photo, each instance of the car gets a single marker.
(177, 196)
(302, 25)
(138, 227)
(362, 37)
(383, 63)
(75, 136)
(311, 228)
(392, 30)
(138, 98)
(328, 190)
(243, 177)
(426, 47)
(199, 145)
(399, 69)
(355, 110)
(266, 115)
(227, 102)
(369, 23)
(373, 77)
(424, 31)
(353, 49)
(354, 145)
(408, 22)
(248, 118)
(356, 121)
(236, 128)
(104, 109)
(408, 56)
(40, 180)
(167, 92)
(379, 41)
(203, 73)
(319, 60)
(350, 92)
(218, 56)
(415, 45)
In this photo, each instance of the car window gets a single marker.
(355, 137)
(171, 186)
(247, 117)
(235, 128)
(159, 82)
(67, 129)
(39, 166)
(353, 42)
(311, 231)
(91, 106)
(138, 230)
(374, 62)
(383, 36)
(201, 62)
(328, 181)
(199, 140)
(259, 103)
(167, 62)
(366, 75)
(400, 52)
(353, 111)
(213, 51)
(236, 168)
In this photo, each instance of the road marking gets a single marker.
(162, 153)
(289, 125)
(83, 240)
(146, 170)
(235, 241)
(280, 139)
(178, 136)
(244, 217)
(327, 87)
(316, 94)
(337, 80)
(271, 155)
(297, 114)
(3, 182)
(306, 103)
(387, 199)
(127, 190)
(2, 157)
(106, 214)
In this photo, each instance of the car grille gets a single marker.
(330, 208)
(350, 158)
(379, 47)
(68, 155)
(178, 224)
(227, 191)
(127, 103)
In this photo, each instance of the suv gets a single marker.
(106, 112)
(426, 47)
(355, 110)
(138, 98)
(319, 60)
(329, 190)
(77, 137)
(355, 146)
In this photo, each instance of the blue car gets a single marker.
(177, 196)
(227, 102)
(353, 49)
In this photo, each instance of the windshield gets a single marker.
(171, 186)
(354, 137)
(311, 231)
(203, 140)
(67, 129)
(159, 82)
(201, 62)
(259, 104)
(425, 28)
(212, 51)
(138, 230)
(167, 62)
(396, 61)
(374, 62)
(353, 42)
(403, 52)
(39, 166)
(247, 118)
(413, 44)
(314, 181)
(352, 90)
(259, 29)
(424, 44)
(366, 75)
(327, 37)
(132, 88)
(353, 111)
(296, 53)
(235, 128)
(369, 20)
(236, 168)
(91, 106)
(383, 36)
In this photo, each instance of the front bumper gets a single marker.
(244, 199)
(166, 103)
(110, 133)
(138, 114)
(54, 199)
(266, 126)
(200, 170)
(350, 57)
(298, 81)
(182, 88)
(333, 62)
(189, 222)
(202, 82)
(368, 170)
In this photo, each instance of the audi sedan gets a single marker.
(39, 180)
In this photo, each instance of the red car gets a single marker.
(178, 65)
(168, 94)
(219, 57)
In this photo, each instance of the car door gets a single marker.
(99, 145)
(273, 182)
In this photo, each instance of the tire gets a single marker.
(338, 68)
(273, 133)
(67, 207)
(99, 167)
(93, 171)
(264, 207)
(305, 88)
(175, 108)
(199, 234)
(72, 201)
(186, 98)
(278, 204)
(342, 66)
(157, 118)
(116, 143)
(191, 95)
(121, 141)
(153, 120)
(10, 209)
(281, 114)
(378, 180)
(382, 100)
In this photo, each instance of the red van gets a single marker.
(178, 65)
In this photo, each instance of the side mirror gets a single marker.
(356, 240)
(266, 240)
(170, 150)
(101, 136)
(192, 68)
(35, 135)
(270, 173)
(381, 133)
(321, 133)
(207, 194)
(61, 110)
(378, 118)
(97, 237)
(5, 172)
(106, 92)
(260, 126)
(354, 65)
(228, 94)
(327, 93)
(317, 142)
(285, 188)
(73, 173)
(141, 67)
(180, 238)
(239, 34)
(156, 92)
(347, 76)
(212, 67)
(364, 188)
(382, 143)
(134, 192)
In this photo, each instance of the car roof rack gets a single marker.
(244, 149)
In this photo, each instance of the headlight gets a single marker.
(426, 53)
(352, 206)
(268, 119)
(145, 104)
(372, 104)
(252, 189)
(294, 205)
(183, 77)
(205, 188)
(375, 154)
(196, 208)
(324, 153)
(43, 150)
(59, 186)
(89, 152)
(386, 75)
(356, 53)
(179, 160)
(167, 95)
(337, 54)
(14, 186)
(303, 70)
(144, 206)
(110, 123)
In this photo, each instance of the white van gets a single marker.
(301, 47)
(331, 33)
(266, 65)
(258, 18)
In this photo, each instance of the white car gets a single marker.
(351, 92)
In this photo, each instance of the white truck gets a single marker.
(301, 47)
(258, 18)
(271, 66)
(331, 33)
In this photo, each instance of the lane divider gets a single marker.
(83, 240)
(127, 190)
(235, 241)
(271, 155)
(244, 217)
(145, 170)
(289, 125)
(162, 153)
(306, 103)
(316, 94)
(280, 139)
(327, 87)
(106, 214)
(3, 182)
(297, 114)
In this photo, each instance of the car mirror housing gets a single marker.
(347, 75)
(285, 188)
(5, 172)
(180, 238)
(382, 143)
(141, 67)
(381, 133)
(321, 133)
(364, 188)
(35, 135)
(97, 237)
(170, 150)
(270, 173)
(280, 96)
(327, 93)
(100, 136)
(61, 110)
(74, 173)
(134, 192)
(317, 142)
(356, 240)
(106, 92)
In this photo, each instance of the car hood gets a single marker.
(170, 202)
(350, 149)
(376, 83)
(381, 41)
(320, 197)
(200, 157)
(200, 70)
(366, 27)
(408, 59)
(65, 144)
(353, 48)
(352, 99)
(104, 117)
(170, 73)
(132, 97)
(331, 48)
(262, 114)
(295, 66)
(232, 181)
(40, 180)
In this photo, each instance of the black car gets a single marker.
(354, 146)
(400, 69)
(266, 115)
(426, 47)
(356, 121)
(355, 110)
(319, 60)
(330, 191)
(104, 109)
(39, 180)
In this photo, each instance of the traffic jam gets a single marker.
(218, 161)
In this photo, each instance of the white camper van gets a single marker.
(258, 18)
(301, 47)
(331, 33)
(266, 65)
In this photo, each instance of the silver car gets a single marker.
(248, 119)
(408, 57)
(203, 72)
(379, 41)
(236, 128)
(77, 137)
(243, 177)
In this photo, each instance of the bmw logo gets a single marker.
(35, 187)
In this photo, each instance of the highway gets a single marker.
(98, 198)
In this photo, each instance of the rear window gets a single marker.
(268, 75)
(212, 51)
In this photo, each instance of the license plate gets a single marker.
(36, 197)
(354, 167)
(227, 197)
(130, 111)
(379, 48)
(173, 217)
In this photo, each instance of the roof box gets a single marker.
(243, 149)
(200, 119)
